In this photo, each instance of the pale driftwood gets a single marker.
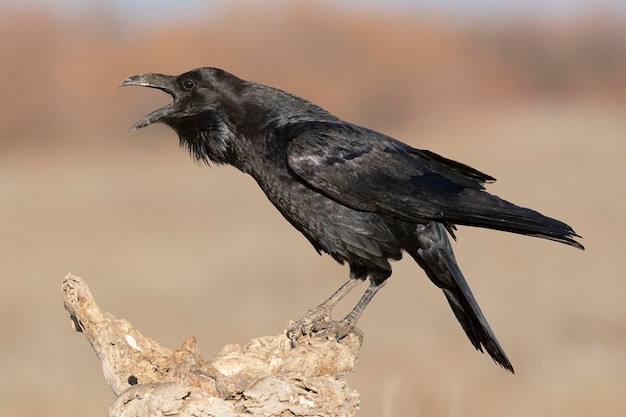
(266, 377)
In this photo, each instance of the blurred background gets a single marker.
(533, 93)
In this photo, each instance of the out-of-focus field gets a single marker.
(181, 249)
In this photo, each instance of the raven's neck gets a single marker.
(250, 131)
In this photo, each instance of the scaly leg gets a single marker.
(341, 328)
(320, 315)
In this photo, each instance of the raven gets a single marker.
(358, 195)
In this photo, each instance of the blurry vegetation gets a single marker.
(59, 75)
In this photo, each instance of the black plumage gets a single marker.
(356, 194)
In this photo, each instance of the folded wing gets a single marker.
(368, 171)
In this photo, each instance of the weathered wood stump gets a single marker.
(266, 377)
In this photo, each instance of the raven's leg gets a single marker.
(321, 314)
(352, 317)
(341, 328)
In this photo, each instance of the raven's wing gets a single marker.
(369, 171)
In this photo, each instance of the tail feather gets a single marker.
(476, 327)
(478, 208)
(435, 256)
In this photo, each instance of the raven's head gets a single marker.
(201, 110)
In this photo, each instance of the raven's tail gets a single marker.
(481, 209)
(435, 256)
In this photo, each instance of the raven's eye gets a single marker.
(188, 84)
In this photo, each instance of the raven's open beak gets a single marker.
(162, 82)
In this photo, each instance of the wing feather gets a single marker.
(368, 171)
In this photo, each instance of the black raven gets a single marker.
(356, 194)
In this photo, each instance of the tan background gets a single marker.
(180, 249)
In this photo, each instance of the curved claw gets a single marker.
(314, 319)
(337, 329)
(314, 324)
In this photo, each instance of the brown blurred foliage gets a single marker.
(58, 75)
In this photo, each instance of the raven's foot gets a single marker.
(318, 323)
(307, 325)
(336, 328)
